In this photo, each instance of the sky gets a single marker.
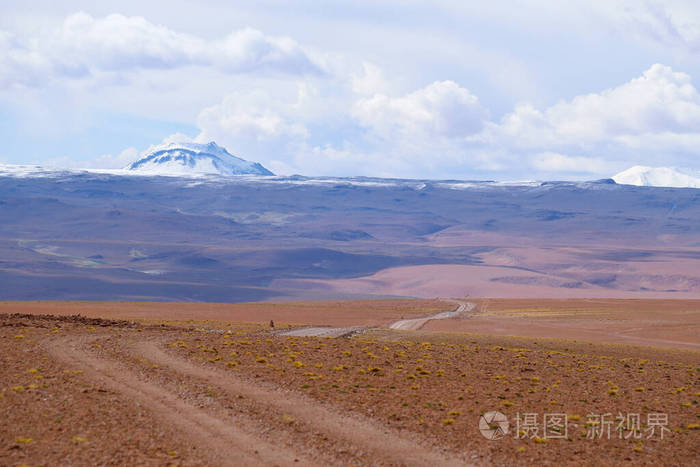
(499, 90)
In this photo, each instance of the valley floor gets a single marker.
(232, 391)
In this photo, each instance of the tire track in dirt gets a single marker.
(223, 442)
(623, 334)
(383, 444)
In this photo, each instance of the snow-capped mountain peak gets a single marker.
(658, 176)
(194, 158)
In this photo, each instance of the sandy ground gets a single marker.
(81, 391)
(523, 267)
(506, 281)
(196, 414)
(659, 323)
(318, 313)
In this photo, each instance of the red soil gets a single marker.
(322, 313)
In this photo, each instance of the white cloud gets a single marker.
(177, 138)
(371, 81)
(659, 101)
(253, 125)
(251, 50)
(673, 23)
(105, 161)
(353, 120)
(19, 64)
(118, 42)
(250, 116)
(119, 161)
(442, 130)
(441, 109)
(554, 162)
(654, 115)
(84, 46)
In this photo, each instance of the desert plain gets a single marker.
(87, 383)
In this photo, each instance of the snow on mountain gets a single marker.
(658, 176)
(194, 158)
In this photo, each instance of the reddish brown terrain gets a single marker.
(532, 272)
(328, 313)
(222, 388)
(658, 323)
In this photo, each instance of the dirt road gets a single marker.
(417, 323)
(404, 324)
(230, 438)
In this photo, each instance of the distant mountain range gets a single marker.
(220, 228)
(130, 235)
(194, 158)
(188, 159)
